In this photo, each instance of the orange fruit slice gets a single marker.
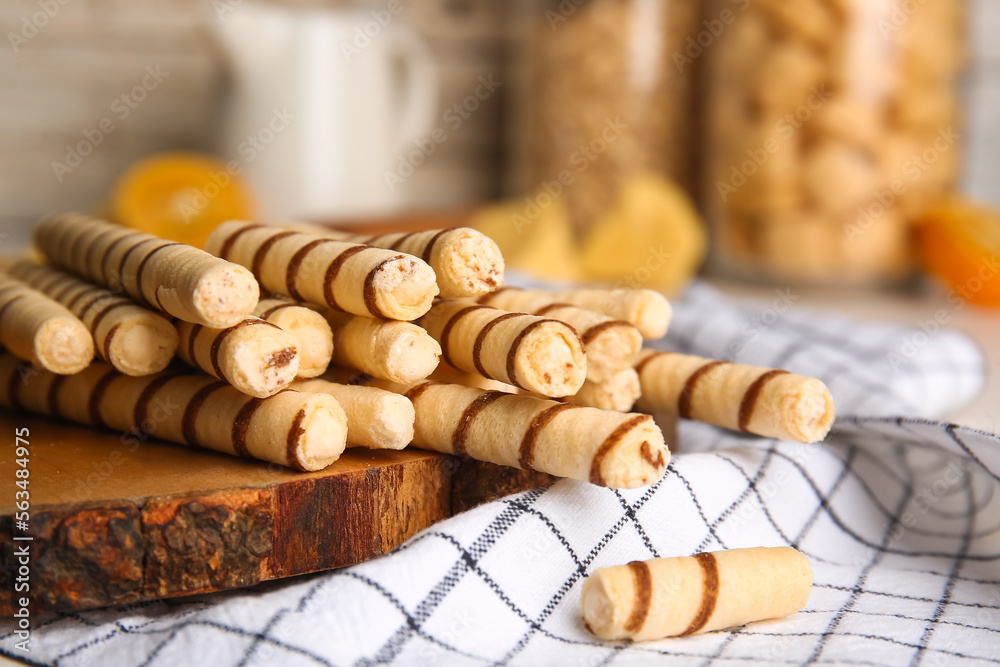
(959, 242)
(180, 196)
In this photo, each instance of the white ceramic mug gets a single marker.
(322, 103)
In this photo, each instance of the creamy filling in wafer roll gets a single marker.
(397, 351)
(620, 392)
(376, 418)
(670, 597)
(36, 328)
(299, 430)
(312, 334)
(254, 356)
(645, 309)
(768, 402)
(465, 261)
(358, 279)
(539, 354)
(133, 339)
(606, 448)
(186, 282)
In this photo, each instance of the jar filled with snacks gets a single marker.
(830, 126)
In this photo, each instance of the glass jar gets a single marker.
(830, 126)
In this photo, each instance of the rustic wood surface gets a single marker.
(114, 521)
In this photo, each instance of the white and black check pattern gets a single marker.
(899, 516)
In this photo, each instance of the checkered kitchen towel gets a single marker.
(900, 517)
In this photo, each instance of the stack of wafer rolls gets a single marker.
(133, 339)
(376, 418)
(257, 357)
(646, 310)
(185, 282)
(354, 278)
(299, 430)
(36, 328)
(397, 351)
(311, 332)
(768, 402)
(541, 355)
(466, 261)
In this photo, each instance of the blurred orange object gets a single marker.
(180, 196)
(959, 242)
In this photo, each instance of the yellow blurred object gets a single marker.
(533, 237)
(180, 196)
(959, 242)
(652, 237)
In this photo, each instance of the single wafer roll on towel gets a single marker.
(397, 351)
(670, 597)
(304, 431)
(186, 282)
(311, 332)
(764, 401)
(357, 279)
(255, 356)
(133, 339)
(376, 418)
(541, 355)
(36, 328)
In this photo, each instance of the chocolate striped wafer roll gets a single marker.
(611, 345)
(764, 401)
(376, 418)
(396, 351)
(304, 431)
(353, 278)
(254, 356)
(451, 375)
(36, 328)
(465, 261)
(542, 355)
(622, 451)
(133, 339)
(619, 393)
(675, 597)
(312, 334)
(646, 310)
(186, 282)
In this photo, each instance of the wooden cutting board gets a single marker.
(115, 521)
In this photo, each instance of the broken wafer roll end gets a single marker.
(470, 264)
(142, 346)
(413, 355)
(318, 433)
(550, 360)
(653, 314)
(312, 334)
(633, 455)
(404, 287)
(224, 295)
(796, 407)
(63, 345)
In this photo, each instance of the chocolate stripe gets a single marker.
(263, 249)
(191, 347)
(709, 595)
(60, 294)
(295, 432)
(461, 433)
(227, 245)
(595, 466)
(119, 303)
(331, 274)
(446, 331)
(222, 336)
(292, 271)
(189, 420)
(141, 412)
(397, 244)
(596, 330)
(242, 424)
(643, 595)
(656, 355)
(414, 392)
(526, 452)
(121, 272)
(371, 301)
(360, 379)
(552, 306)
(71, 304)
(142, 267)
(749, 402)
(429, 248)
(687, 392)
(97, 298)
(512, 352)
(52, 400)
(3, 309)
(108, 339)
(97, 394)
(104, 277)
(273, 309)
(477, 348)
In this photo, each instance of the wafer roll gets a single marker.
(36, 328)
(671, 597)
(312, 334)
(768, 402)
(397, 351)
(465, 261)
(622, 451)
(304, 431)
(541, 355)
(254, 356)
(376, 418)
(618, 393)
(451, 375)
(645, 309)
(186, 282)
(349, 277)
(133, 339)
